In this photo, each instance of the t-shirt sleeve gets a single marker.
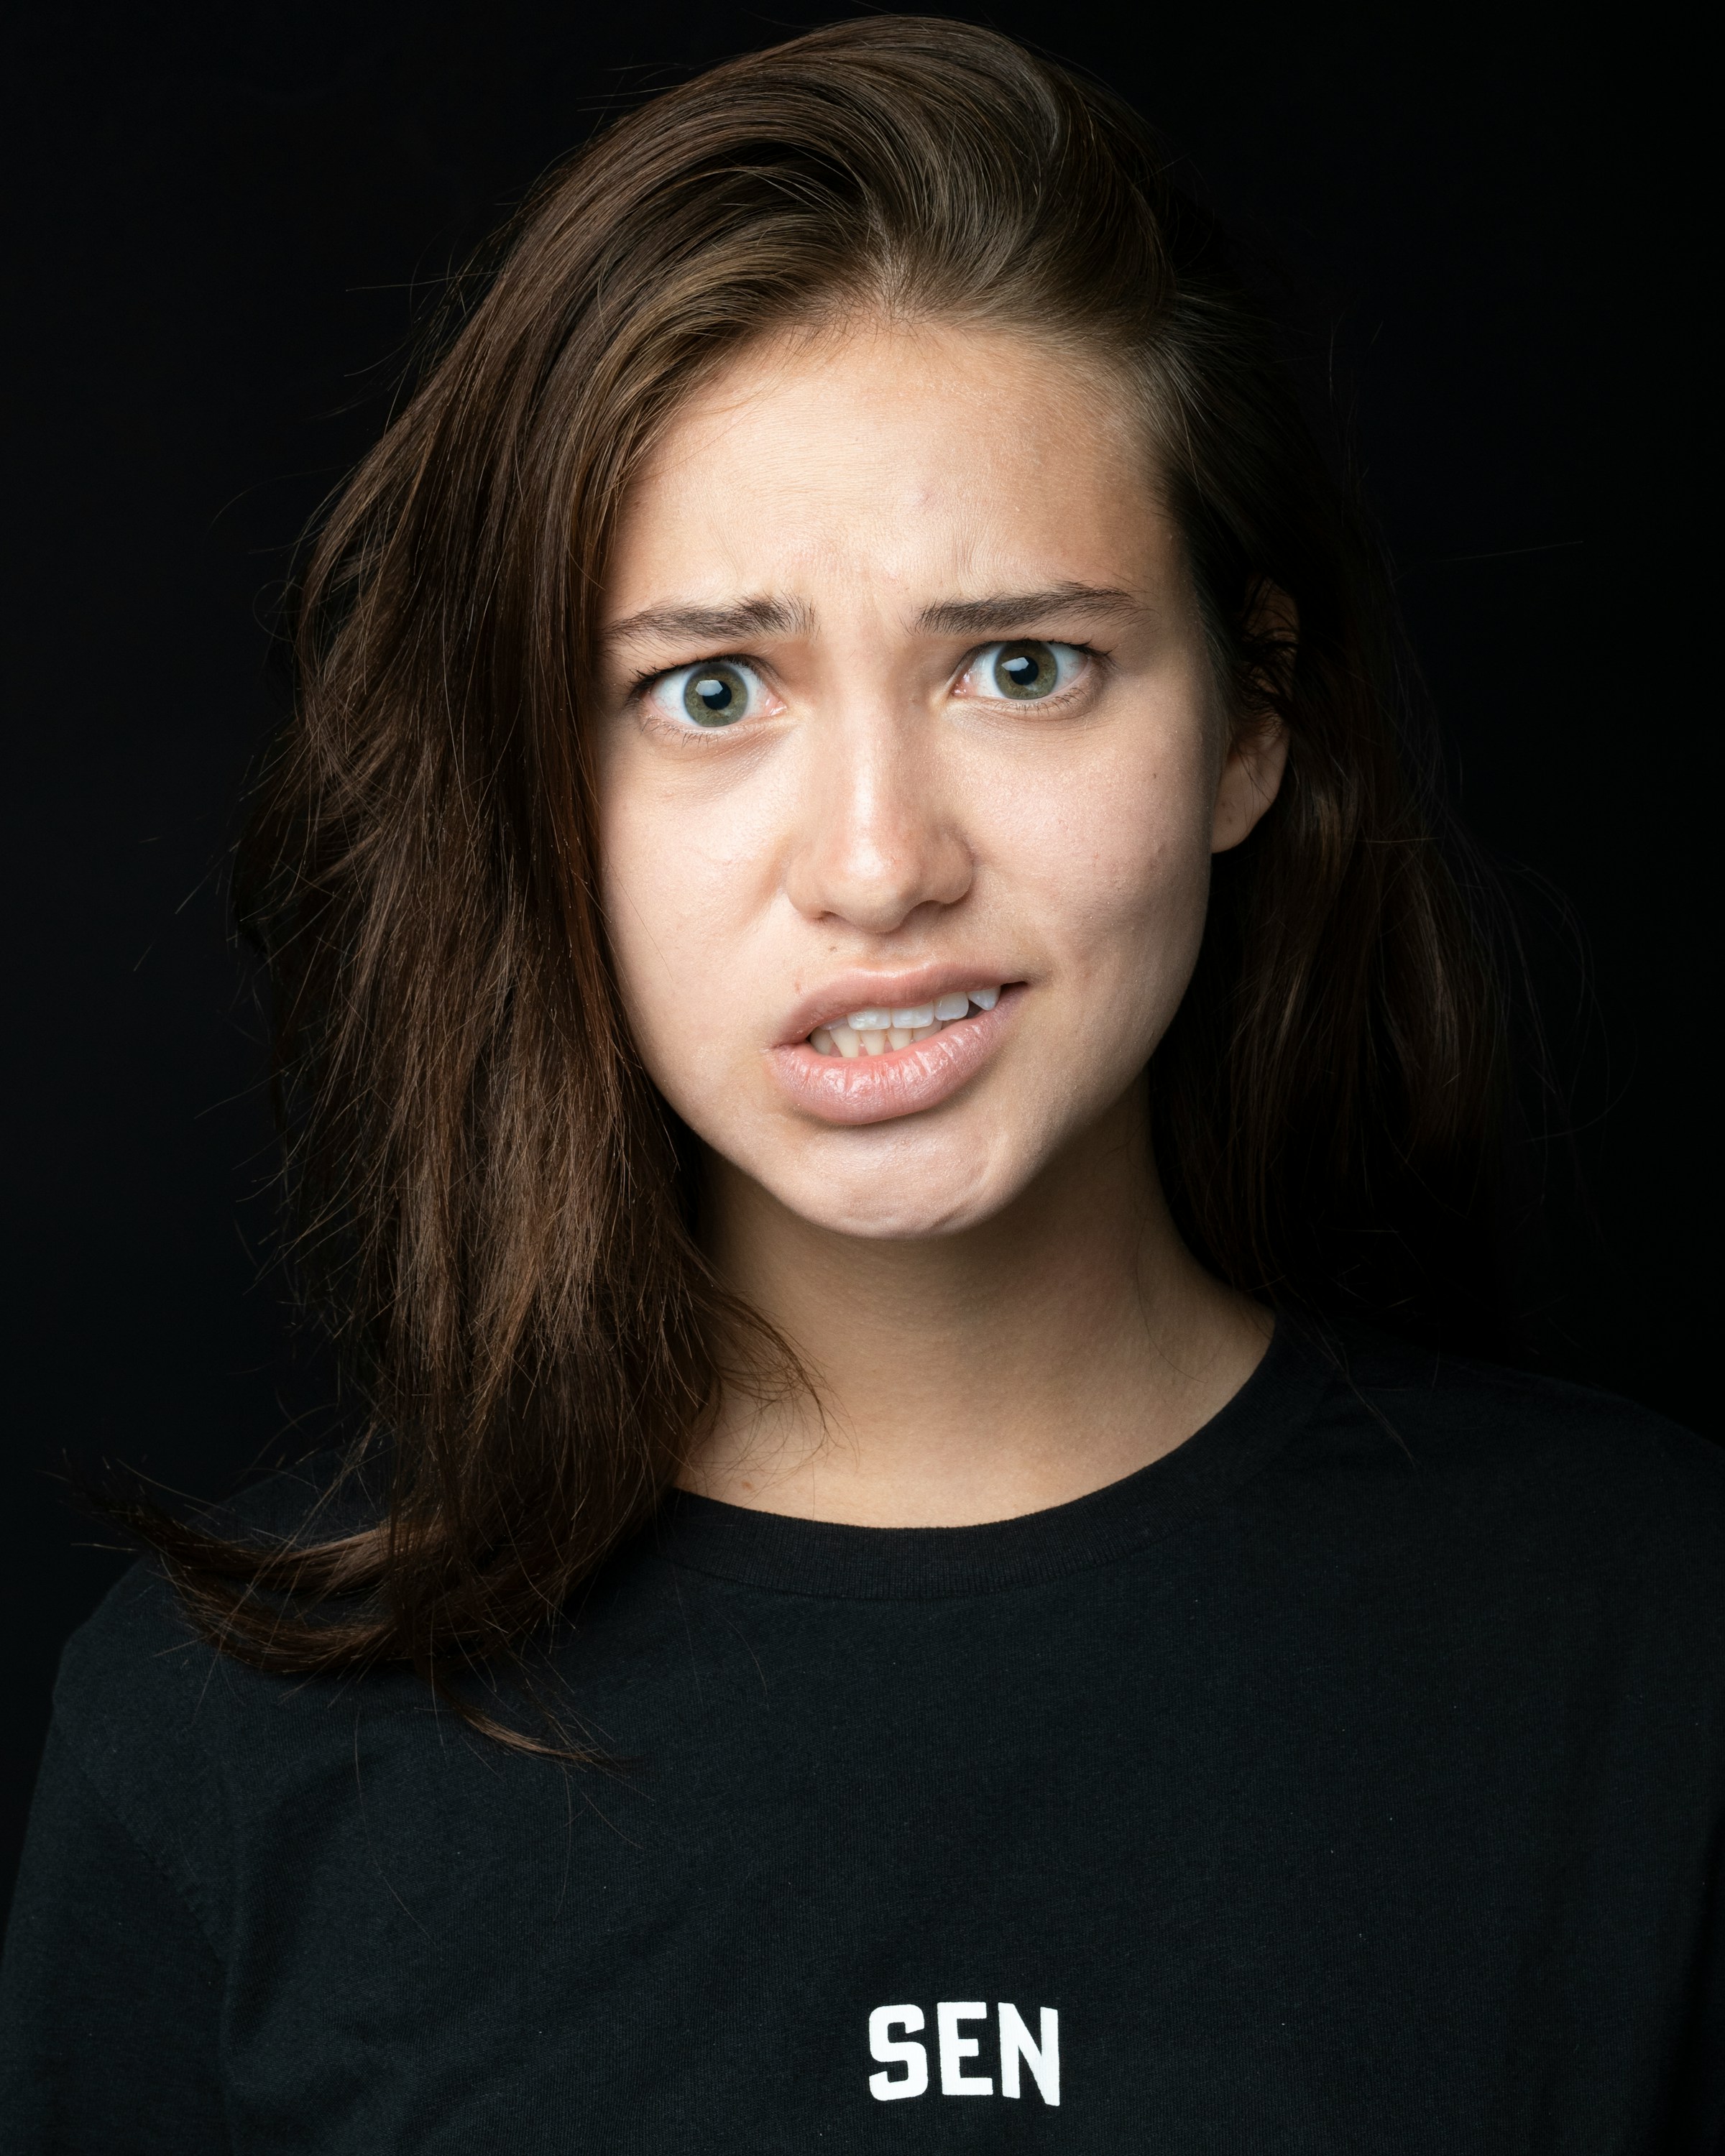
(110, 1993)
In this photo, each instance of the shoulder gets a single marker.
(1458, 1405)
(152, 1714)
(1513, 1457)
(138, 1661)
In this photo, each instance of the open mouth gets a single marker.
(876, 1029)
(883, 1061)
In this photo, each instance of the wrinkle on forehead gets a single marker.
(901, 452)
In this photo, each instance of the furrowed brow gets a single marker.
(712, 625)
(1000, 611)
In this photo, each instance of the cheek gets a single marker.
(678, 879)
(1115, 860)
(652, 906)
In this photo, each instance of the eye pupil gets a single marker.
(712, 695)
(1027, 670)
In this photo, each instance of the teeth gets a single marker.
(873, 1031)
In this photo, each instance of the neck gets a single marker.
(976, 1376)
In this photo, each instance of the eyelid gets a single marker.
(644, 681)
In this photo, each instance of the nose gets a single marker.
(877, 837)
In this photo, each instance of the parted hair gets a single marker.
(491, 1204)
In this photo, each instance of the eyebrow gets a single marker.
(1003, 610)
(781, 617)
(713, 625)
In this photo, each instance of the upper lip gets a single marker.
(859, 991)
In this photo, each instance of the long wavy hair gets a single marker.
(492, 1204)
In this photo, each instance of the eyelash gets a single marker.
(643, 682)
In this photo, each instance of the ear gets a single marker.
(1258, 749)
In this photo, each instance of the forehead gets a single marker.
(913, 454)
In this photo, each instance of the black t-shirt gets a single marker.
(1352, 1779)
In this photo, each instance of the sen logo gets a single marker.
(1042, 2056)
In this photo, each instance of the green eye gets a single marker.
(714, 694)
(1027, 671)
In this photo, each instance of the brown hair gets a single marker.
(492, 1202)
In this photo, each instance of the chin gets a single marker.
(908, 1201)
(873, 1222)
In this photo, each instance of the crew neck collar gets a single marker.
(825, 1560)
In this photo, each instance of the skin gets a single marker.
(988, 1292)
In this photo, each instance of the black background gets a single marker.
(224, 227)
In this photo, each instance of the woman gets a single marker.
(898, 1106)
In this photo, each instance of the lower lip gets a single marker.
(901, 1081)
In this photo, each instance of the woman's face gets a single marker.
(911, 768)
